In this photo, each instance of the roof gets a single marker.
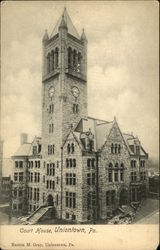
(99, 128)
(71, 29)
(103, 131)
(23, 150)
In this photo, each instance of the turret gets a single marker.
(63, 24)
(83, 37)
(45, 37)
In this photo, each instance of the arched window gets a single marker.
(116, 165)
(115, 149)
(56, 58)
(69, 57)
(93, 163)
(79, 63)
(68, 148)
(48, 63)
(70, 163)
(74, 163)
(88, 163)
(119, 148)
(72, 147)
(74, 60)
(116, 172)
(67, 163)
(122, 172)
(112, 148)
(52, 61)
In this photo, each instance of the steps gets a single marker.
(37, 215)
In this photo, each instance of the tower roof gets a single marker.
(71, 29)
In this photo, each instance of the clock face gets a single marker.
(51, 91)
(75, 92)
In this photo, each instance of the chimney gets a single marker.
(24, 138)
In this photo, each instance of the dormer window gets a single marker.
(34, 150)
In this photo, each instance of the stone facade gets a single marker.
(81, 166)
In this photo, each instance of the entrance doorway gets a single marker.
(123, 199)
(50, 200)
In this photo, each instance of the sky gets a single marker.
(122, 65)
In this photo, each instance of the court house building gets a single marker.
(81, 168)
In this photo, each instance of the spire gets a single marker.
(45, 37)
(71, 29)
(83, 36)
(63, 24)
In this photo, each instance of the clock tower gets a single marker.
(64, 87)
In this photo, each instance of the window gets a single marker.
(69, 57)
(74, 163)
(48, 63)
(115, 148)
(116, 172)
(113, 197)
(119, 148)
(70, 161)
(52, 60)
(133, 176)
(47, 184)
(21, 176)
(133, 164)
(68, 148)
(38, 179)
(31, 177)
(70, 179)
(67, 178)
(50, 149)
(79, 63)
(51, 108)
(38, 164)
(67, 163)
(74, 179)
(110, 172)
(70, 200)
(75, 108)
(35, 164)
(21, 164)
(15, 176)
(73, 217)
(67, 215)
(31, 164)
(35, 177)
(67, 199)
(122, 172)
(93, 163)
(47, 169)
(56, 58)
(37, 194)
(34, 150)
(72, 148)
(88, 163)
